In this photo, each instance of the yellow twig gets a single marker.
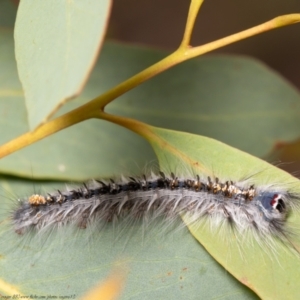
(272, 24)
(191, 19)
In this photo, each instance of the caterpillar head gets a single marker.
(273, 204)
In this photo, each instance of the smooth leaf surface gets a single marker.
(57, 43)
(160, 264)
(272, 272)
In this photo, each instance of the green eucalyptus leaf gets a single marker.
(57, 43)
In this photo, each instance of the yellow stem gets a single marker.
(138, 127)
(272, 24)
(191, 19)
(148, 132)
(137, 79)
(73, 117)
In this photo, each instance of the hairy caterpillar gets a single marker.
(262, 209)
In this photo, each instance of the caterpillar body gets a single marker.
(262, 209)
